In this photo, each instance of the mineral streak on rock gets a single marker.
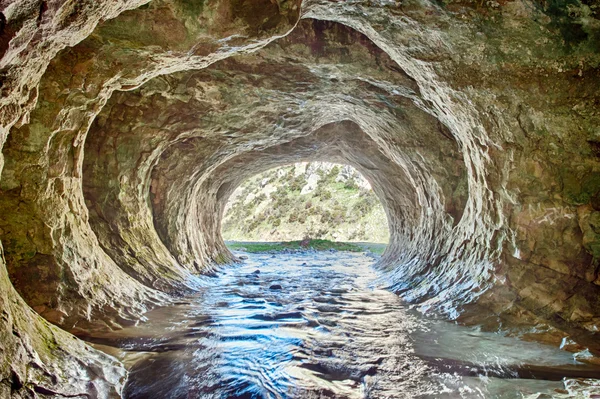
(125, 126)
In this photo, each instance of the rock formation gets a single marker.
(125, 126)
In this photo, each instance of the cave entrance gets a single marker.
(307, 204)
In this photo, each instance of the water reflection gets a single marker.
(313, 326)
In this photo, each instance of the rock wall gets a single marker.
(54, 259)
(124, 130)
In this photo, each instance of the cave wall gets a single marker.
(55, 259)
(126, 125)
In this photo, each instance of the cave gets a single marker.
(126, 126)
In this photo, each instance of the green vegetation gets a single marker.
(317, 245)
(580, 190)
(316, 201)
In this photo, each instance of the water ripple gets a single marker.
(315, 326)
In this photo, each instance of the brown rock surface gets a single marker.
(123, 132)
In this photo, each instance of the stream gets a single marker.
(315, 325)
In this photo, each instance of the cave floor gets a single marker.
(317, 325)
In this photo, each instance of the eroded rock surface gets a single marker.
(126, 126)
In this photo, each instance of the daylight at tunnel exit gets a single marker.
(303, 199)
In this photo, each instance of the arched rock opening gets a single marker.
(188, 142)
(123, 145)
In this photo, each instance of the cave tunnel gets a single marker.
(126, 126)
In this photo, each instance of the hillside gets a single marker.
(317, 200)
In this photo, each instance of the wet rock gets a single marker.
(570, 345)
(275, 287)
(329, 309)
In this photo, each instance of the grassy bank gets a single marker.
(317, 245)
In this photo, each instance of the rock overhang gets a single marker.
(476, 124)
(279, 102)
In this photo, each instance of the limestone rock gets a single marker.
(123, 131)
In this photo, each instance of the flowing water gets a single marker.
(314, 325)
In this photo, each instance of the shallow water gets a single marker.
(313, 325)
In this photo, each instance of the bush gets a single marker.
(253, 225)
(322, 193)
(297, 183)
(333, 174)
(351, 184)
(364, 205)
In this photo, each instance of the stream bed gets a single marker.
(315, 325)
